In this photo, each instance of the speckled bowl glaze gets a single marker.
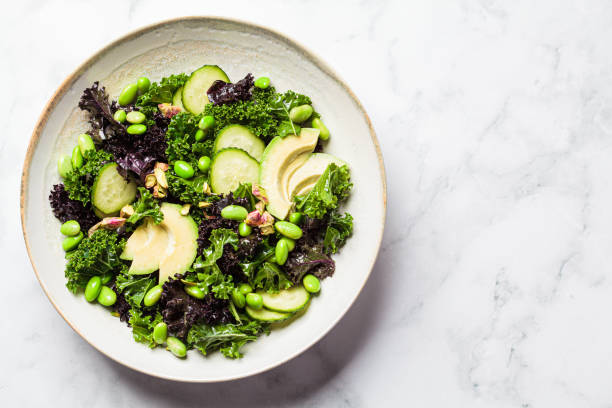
(182, 45)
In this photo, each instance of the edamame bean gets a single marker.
(262, 82)
(93, 288)
(64, 166)
(288, 229)
(143, 84)
(85, 143)
(72, 242)
(194, 291)
(128, 94)
(281, 252)
(135, 117)
(323, 130)
(238, 298)
(245, 289)
(199, 135)
(160, 332)
(70, 228)
(244, 229)
(296, 218)
(120, 116)
(137, 129)
(153, 295)
(204, 163)
(183, 169)
(300, 113)
(290, 243)
(311, 283)
(106, 278)
(234, 212)
(176, 347)
(107, 296)
(254, 300)
(206, 122)
(77, 158)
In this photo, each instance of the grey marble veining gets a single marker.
(492, 287)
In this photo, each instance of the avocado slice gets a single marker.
(147, 258)
(277, 157)
(290, 170)
(182, 246)
(136, 241)
(305, 177)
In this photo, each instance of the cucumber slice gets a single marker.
(195, 88)
(289, 300)
(110, 190)
(230, 168)
(265, 315)
(242, 138)
(177, 98)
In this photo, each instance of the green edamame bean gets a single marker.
(85, 143)
(120, 116)
(290, 243)
(206, 122)
(72, 242)
(93, 288)
(238, 298)
(176, 347)
(262, 82)
(323, 130)
(137, 129)
(160, 333)
(135, 117)
(143, 84)
(194, 291)
(234, 212)
(254, 300)
(204, 163)
(245, 289)
(281, 252)
(106, 278)
(296, 218)
(128, 94)
(311, 283)
(183, 169)
(70, 228)
(199, 135)
(107, 296)
(64, 166)
(300, 113)
(77, 158)
(153, 295)
(288, 229)
(244, 229)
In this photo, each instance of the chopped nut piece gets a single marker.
(185, 209)
(159, 191)
(127, 211)
(150, 180)
(266, 229)
(109, 223)
(162, 166)
(260, 193)
(206, 189)
(204, 204)
(169, 110)
(161, 177)
(260, 206)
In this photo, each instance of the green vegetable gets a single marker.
(146, 206)
(69, 243)
(254, 301)
(311, 283)
(188, 191)
(317, 123)
(64, 167)
(93, 288)
(290, 243)
(134, 287)
(161, 92)
(338, 231)
(137, 129)
(238, 298)
(206, 123)
(288, 229)
(176, 347)
(204, 163)
(199, 135)
(85, 143)
(296, 218)
(271, 278)
(228, 338)
(244, 229)
(332, 187)
(245, 191)
(194, 291)
(281, 105)
(135, 117)
(143, 84)
(143, 327)
(77, 158)
(106, 278)
(160, 333)
(300, 113)
(183, 169)
(245, 289)
(153, 295)
(282, 252)
(210, 277)
(110, 191)
(262, 82)
(181, 140)
(79, 182)
(128, 94)
(107, 297)
(120, 116)
(234, 212)
(70, 228)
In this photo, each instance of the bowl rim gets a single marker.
(71, 78)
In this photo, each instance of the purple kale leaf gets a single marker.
(221, 92)
(66, 209)
(307, 258)
(95, 101)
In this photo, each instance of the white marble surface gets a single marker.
(492, 287)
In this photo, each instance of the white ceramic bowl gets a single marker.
(182, 45)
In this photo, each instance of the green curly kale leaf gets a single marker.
(163, 91)
(146, 206)
(135, 287)
(338, 231)
(210, 277)
(142, 327)
(79, 181)
(271, 278)
(181, 140)
(332, 187)
(228, 338)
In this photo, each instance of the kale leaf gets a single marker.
(221, 92)
(79, 181)
(271, 278)
(228, 338)
(143, 325)
(187, 190)
(66, 209)
(210, 276)
(307, 258)
(332, 187)
(163, 91)
(181, 139)
(281, 104)
(338, 231)
(135, 287)
(95, 101)
(146, 206)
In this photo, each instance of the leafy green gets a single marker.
(188, 191)
(249, 267)
(271, 278)
(338, 230)
(163, 91)
(146, 206)
(228, 338)
(79, 181)
(281, 104)
(210, 277)
(134, 287)
(142, 327)
(333, 186)
(96, 255)
(181, 140)
(245, 191)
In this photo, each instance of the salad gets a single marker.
(200, 211)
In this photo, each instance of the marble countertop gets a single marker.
(491, 288)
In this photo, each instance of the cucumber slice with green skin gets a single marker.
(288, 300)
(265, 315)
(195, 88)
(230, 168)
(110, 190)
(177, 98)
(242, 138)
